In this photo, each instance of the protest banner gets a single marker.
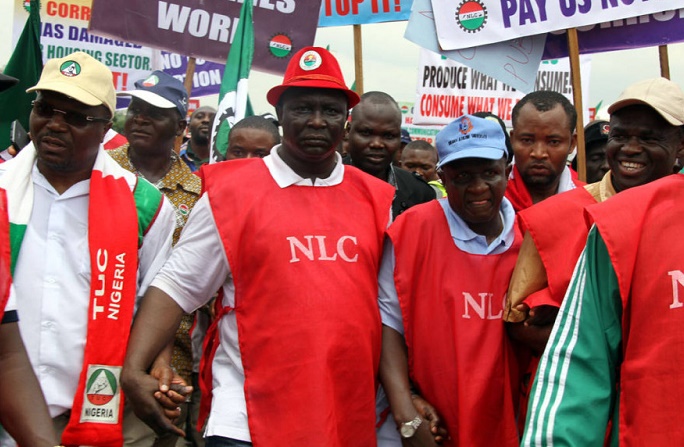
(65, 30)
(514, 62)
(448, 89)
(207, 76)
(469, 23)
(359, 12)
(660, 28)
(205, 29)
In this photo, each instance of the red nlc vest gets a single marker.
(642, 229)
(559, 230)
(460, 357)
(305, 262)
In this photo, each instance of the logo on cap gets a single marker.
(465, 126)
(310, 60)
(605, 129)
(471, 16)
(151, 81)
(280, 45)
(70, 69)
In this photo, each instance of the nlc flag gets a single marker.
(233, 100)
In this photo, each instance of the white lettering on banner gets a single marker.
(677, 280)
(483, 308)
(462, 24)
(307, 249)
(197, 22)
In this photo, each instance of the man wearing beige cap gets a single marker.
(293, 355)
(86, 238)
(652, 111)
(612, 359)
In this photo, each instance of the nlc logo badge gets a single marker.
(102, 395)
(471, 16)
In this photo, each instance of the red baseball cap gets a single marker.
(312, 67)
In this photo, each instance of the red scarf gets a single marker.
(5, 276)
(97, 412)
(517, 192)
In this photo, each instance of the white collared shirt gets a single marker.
(196, 269)
(52, 281)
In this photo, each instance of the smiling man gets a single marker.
(374, 136)
(613, 357)
(447, 264)
(295, 348)
(644, 142)
(87, 237)
(543, 136)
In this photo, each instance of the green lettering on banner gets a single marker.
(58, 51)
(129, 61)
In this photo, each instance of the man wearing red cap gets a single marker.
(296, 343)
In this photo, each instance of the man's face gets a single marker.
(475, 188)
(642, 146)
(374, 137)
(64, 148)
(200, 124)
(421, 162)
(312, 121)
(597, 163)
(150, 128)
(541, 143)
(247, 142)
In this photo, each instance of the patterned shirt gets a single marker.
(183, 189)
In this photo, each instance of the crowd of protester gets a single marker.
(331, 282)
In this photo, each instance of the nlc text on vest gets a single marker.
(320, 250)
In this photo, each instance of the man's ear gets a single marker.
(182, 124)
(573, 143)
(107, 126)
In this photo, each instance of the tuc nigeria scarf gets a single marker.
(97, 411)
(5, 275)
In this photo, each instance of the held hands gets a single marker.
(431, 431)
(155, 397)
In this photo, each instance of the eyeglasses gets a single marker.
(74, 119)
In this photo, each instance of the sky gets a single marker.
(390, 63)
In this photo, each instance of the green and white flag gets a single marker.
(25, 64)
(233, 101)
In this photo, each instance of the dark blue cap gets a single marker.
(161, 90)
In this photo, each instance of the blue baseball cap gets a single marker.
(470, 137)
(405, 136)
(161, 90)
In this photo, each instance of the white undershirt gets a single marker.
(52, 281)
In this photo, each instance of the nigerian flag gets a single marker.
(25, 64)
(233, 100)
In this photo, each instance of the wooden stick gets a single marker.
(573, 51)
(358, 59)
(189, 75)
(664, 61)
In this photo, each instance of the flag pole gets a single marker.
(573, 52)
(189, 75)
(664, 61)
(358, 59)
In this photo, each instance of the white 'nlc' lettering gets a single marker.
(320, 250)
